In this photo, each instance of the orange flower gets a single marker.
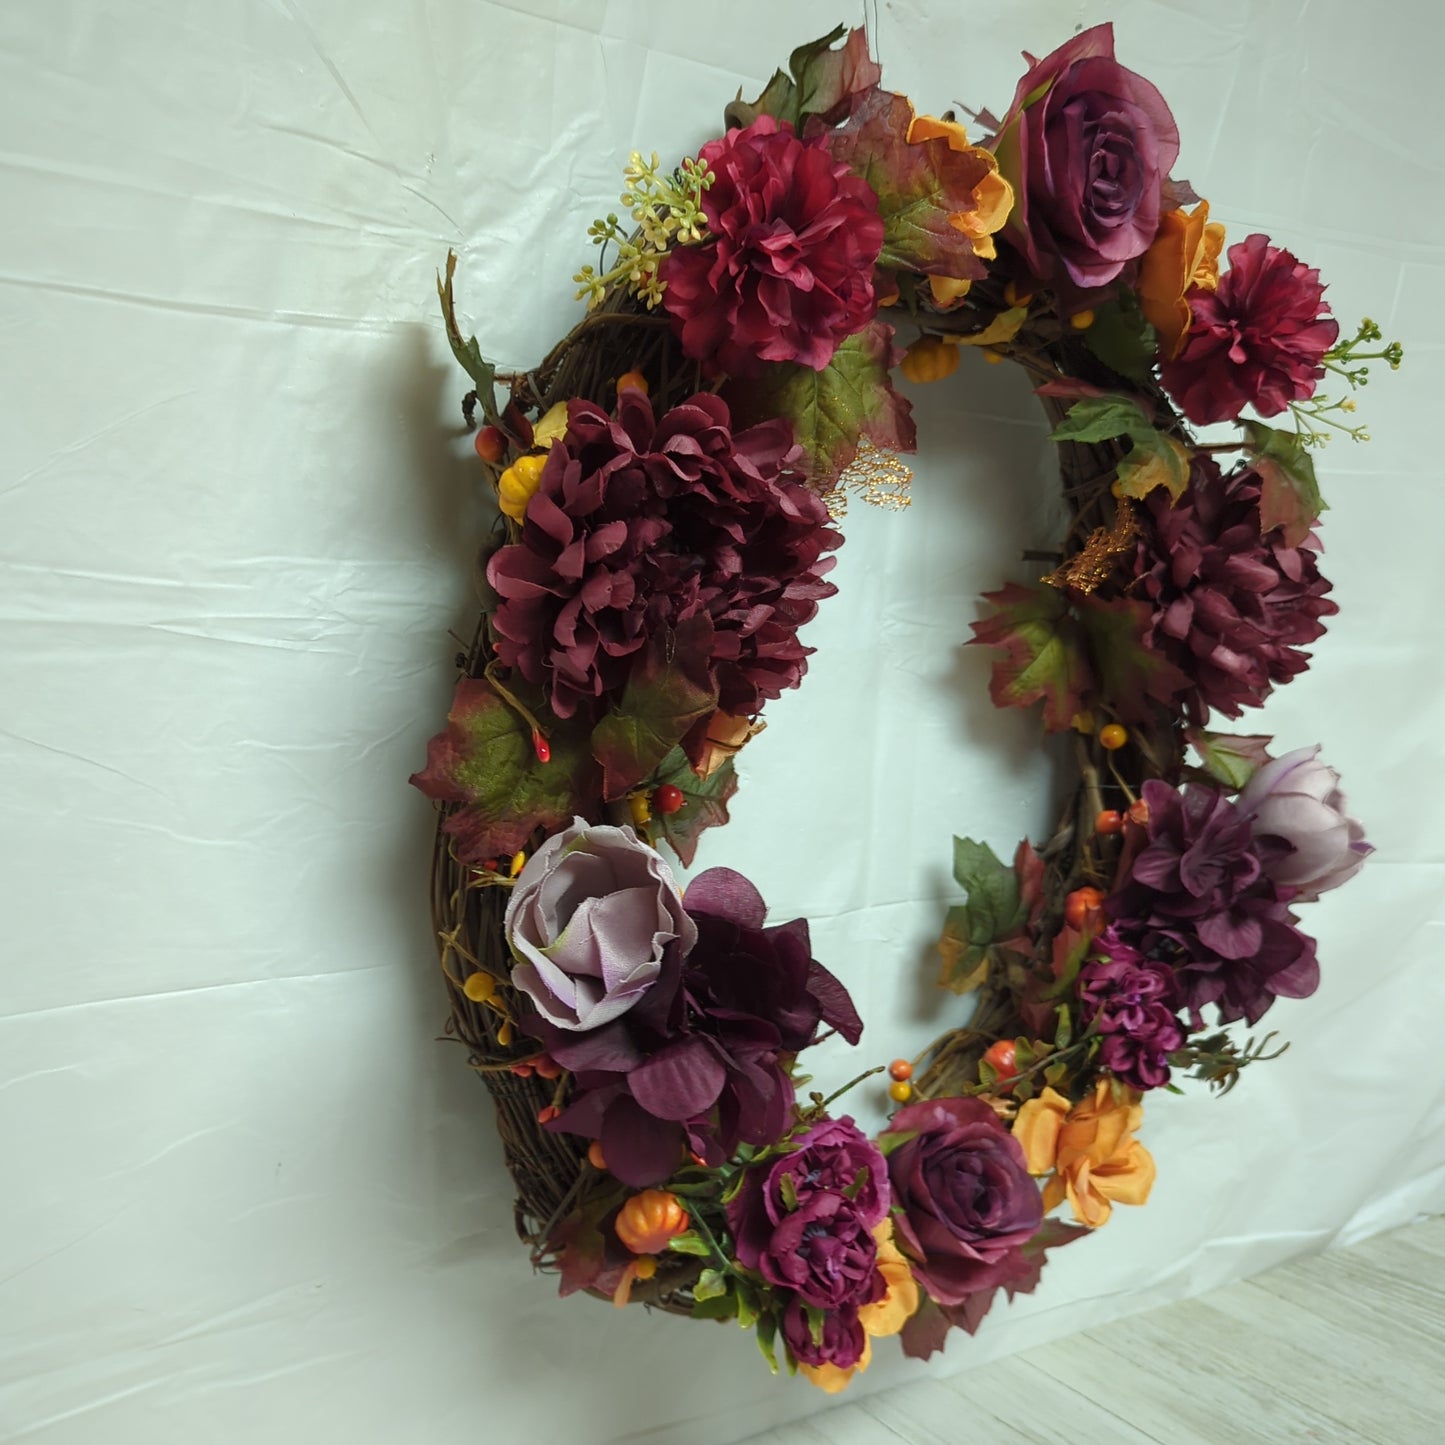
(993, 200)
(1185, 253)
(882, 1318)
(1089, 1149)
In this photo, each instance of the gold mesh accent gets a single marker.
(881, 478)
(1093, 563)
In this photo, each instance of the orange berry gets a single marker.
(1081, 908)
(1111, 820)
(1001, 1058)
(547, 1113)
(594, 1156)
(1113, 736)
(547, 1068)
(900, 1069)
(1081, 320)
(900, 1091)
(644, 1266)
(633, 379)
(491, 445)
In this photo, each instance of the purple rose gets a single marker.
(1307, 840)
(1087, 146)
(842, 1340)
(963, 1201)
(592, 917)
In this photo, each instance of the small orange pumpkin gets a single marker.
(930, 359)
(648, 1220)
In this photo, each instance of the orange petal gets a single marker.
(1037, 1130)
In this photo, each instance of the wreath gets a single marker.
(668, 481)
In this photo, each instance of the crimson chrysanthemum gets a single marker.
(643, 522)
(1232, 608)
(1257, 340)
(787, 271)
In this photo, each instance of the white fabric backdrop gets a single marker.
(246, 1195)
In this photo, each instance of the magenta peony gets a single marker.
(1308, 843)
(787, 272)
(640, 523)
(1087, 146)
(1130, 1001)
(1199, 901)
(1258, 340)
(1231, 608)
(841, 1340)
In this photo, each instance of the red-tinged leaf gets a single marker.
(1052, 1234)
(830, 410)
(486, 761)
(1069, 388)
(1227, 758)
(1043, 652)
(588, 1257)
(1289, 491)
(1029, 869)
(926, 1332)
(919, 187)
(1128, 673)
(1154, 460)
(704, 802)
(670, 688)
(823, 82)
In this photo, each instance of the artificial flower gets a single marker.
(1257, 340)
(1087, 146)
(1089, 1150)
(825, 1252)
(1130, 1001)
(842, 1341)
(787, 270)
(1184, 253)
(1308, 842)
(592, 917)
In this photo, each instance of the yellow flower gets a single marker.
(1089, 1150)
(1184, 253)
(883, 1317)
(518, 484)
(993, 200)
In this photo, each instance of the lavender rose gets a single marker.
(963, 1200)
(1307, 841)
(1087, 146)
(593, 916)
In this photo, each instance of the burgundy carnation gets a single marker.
(640, 523)
(1087, 145)
(1258, 340)
(1131, 1001)
(787, 272)
(1198, 899)
(1232, 608)
(964, 1203)
(842, 1341)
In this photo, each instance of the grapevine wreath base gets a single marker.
(668, 479)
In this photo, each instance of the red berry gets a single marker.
(900, 1069)
(668, 799)
(1000, 1058)
(1081, 908)
(546, 1114)
(543, 749)
(547, 1068)
(1139, 813)
(491, 445)
(1111, 820)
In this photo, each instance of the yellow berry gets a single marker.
(1081, 320)
(645, 1266)
(479, 987)
(1015, 297)
(519, 861)
(991, 356)
(640, 808)
(518, 485)
(1113, 736)
(900, 1091)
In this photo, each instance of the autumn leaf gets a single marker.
(1155, 459)
(486, 761)
(822, 82)
(990, 925)
(704, 802)
(1043, 654)
(1122, 338)
(1229, 758)
(1127, 673)
(1289, 491)
(919, 186)
(852, 396)
(1099, 418)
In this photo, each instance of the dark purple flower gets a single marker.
(1087, 146)
(1131, 1001)
(640, 523)
(1232, 608)
(842, 1338)
(825, 1252)
(1198, 899)
(1257, 340)
(963, 1201)
(787, 272)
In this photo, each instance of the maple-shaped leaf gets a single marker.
(704, 802)
(822, 82)
(919, 187)
(1043, 652)
(989, 929)
(1154, 459)
(1289, 492)
(486, 760)
(1127, 673)
(670, 688)
(852, 396)
(1052, 1234)
(1122, 338)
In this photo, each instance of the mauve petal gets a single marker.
(726, 894)
(680, 1082)
(835, 1001)
(640, 1149)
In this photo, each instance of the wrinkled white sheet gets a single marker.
(246, 1195)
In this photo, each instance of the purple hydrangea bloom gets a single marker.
(1131, 1001)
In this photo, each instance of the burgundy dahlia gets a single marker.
(1258, 340)
(1131, 1000)
(787, 272)
(642, 522)
(1232, 609)
(1199, 901)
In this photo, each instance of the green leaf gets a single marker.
(788, 1188)
(690, 1243)
(852, 397)
(1154, 460)
(823, 82)
(711, 1284)
(1043, 652)
(1063, 1031)
(723, 1306)
(1122, 338)
(704, 802)
(853, 1190)
(1289, 491)
(1128, 674)
(891, 1139)
(994, 911)
(468, 353)
(767, 1332)
(1099, 418)
(1229, 759)
(919, 187)
(749, 1305)
(486, 761)
(669, 688)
